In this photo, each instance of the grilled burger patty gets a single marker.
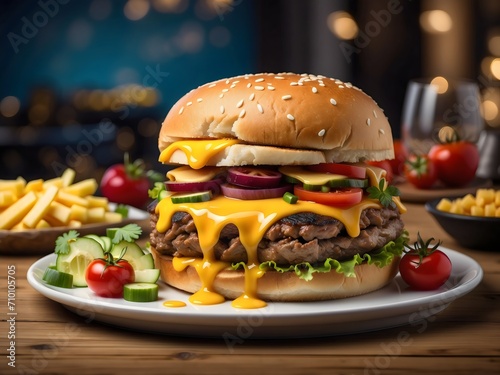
(304, 237)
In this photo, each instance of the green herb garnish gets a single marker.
(122, 210)
(383, 194)
(158, 187)
(129, 233)
(63, 241)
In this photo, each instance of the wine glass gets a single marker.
(434, 109)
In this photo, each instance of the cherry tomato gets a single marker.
(107, 279)
(456, 162)
(397, 164)
(341, 197)
(348, 170)
(423, 267)
(420, 171)
(128, 183)
(384, 164)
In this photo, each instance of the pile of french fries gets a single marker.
(486, 203)
(59, 202)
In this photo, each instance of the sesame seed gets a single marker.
(251, 97)
(199, 100)
(286, 97)
(240, 103)
(314, 90)
(232, 86)
(333, 101)
(272, 88)
(300, 83)
(259, 107)
(235, 82)
(348, 84)
(374, 113)
(249, 85)
(368, 122)
(242, 113)
(341, 87)
(227, 81)
(293, 83)
(181, 110)
(225, 90)
(189, 103)
(259, 80)
(260, 88)
(381, 131)
(322, 84)
(222, 109)
(290, 117)
(322, 132)
(212, 85)
(221, 96)
(279, 77)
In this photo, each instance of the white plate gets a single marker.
(394, 305)
(42, 241)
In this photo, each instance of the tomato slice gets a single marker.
(348, 170)
(339, 197)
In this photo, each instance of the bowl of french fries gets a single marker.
(473, 220)
(34, 213)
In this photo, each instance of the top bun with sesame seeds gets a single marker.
(280, 119)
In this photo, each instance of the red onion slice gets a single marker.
(237, 192)
(253, 177)
(213, 185)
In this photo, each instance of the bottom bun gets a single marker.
(283, 287)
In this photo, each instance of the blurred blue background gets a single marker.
(82, 82)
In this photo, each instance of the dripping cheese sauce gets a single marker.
(252, 218)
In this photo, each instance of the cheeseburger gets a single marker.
(269, 198)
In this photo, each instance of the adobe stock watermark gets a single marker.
(224, 7)
(420, 320)
(47, 9)
(93, 138)
(372, 29)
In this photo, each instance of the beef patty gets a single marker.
(304, 237)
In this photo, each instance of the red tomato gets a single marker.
(384, 164)
(424, 267)
(343, 169)
(420, 171)
(428, 274)
(107, 279)
(397, 164)
(120, 187)
(456, 162)
(341, 197)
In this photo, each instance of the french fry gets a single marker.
(57, 202)
(41, 207)
(82, 188)
(16, 212)
(486, 202)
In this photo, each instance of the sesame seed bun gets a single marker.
(283, 287)
(275, 115)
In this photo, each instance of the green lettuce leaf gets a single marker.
(305, 270)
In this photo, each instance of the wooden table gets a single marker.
(463, 339)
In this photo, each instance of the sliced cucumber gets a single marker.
(140, 292)
(97, 238)
(145, 262)
(130, 250)
(147, 275)
(201, 196)
(57, 278)
(349, 182)
(107, 243)
(81, 253)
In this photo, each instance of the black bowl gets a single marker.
(470, 231)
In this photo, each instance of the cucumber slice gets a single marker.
(140, 292)
(349, 182)
(145, 262)
(56, 278)
(201, 196)
(107, 243)
(147, 275)
(132, 254)
(97, 238)
(81, 253)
